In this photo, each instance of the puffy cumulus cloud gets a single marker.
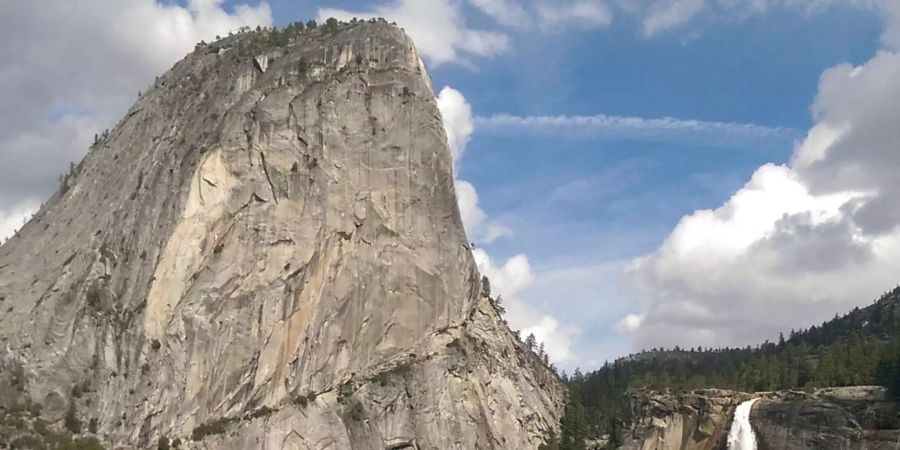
(629, 324)
(475, 220)
(72, 67)
(798, 242)
(438, 27)
(508, 280)
(856, 112)
(891, 36)
(458, 121)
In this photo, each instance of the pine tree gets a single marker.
(573, 424)
(485, 286)
(530, 341)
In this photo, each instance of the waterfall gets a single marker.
(741, 436)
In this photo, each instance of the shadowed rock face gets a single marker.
(269, 244)
(830, 419)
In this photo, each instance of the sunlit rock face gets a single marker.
(267, 250)
(697, 420)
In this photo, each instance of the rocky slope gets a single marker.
(266, 252)
(835, 418)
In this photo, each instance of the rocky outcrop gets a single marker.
(266, 252)
(697, 420)
(829, 419)
(835, 418)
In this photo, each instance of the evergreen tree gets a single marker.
(486, 286)
(530, 341)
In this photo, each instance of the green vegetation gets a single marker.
(217, 426)
(887, 373)
(860, 348)
(261, 412)
(331, 25)
(72, 422)
(22, 427)
(303, 400)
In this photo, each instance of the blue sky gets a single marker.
(662, 172)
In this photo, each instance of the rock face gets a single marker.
(829, 419)
(697, 420)
(266, 252)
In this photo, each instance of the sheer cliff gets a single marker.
(266, 252)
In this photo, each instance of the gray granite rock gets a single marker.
(267, 250)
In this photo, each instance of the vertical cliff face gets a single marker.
(266, 252)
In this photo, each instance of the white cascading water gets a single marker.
(741, 435)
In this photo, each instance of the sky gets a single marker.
(634, 173)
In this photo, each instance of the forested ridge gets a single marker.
(859, 348)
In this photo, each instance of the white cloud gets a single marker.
(475, 220)
(601, 126)
(891, 36)
(798, 242)
(438, 28)
(457, 116)
(72, 67)
(667, 14)
(630, 323)
(14, 217)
